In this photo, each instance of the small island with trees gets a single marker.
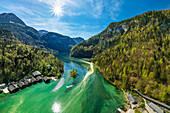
(73, 73)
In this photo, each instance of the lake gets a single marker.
(88, 93)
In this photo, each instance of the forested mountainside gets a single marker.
(78, 39)
(115, 30)
(59, 42)
(17, 59)
(134, 53)
(25, 34)
(40, 39)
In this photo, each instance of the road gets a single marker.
(153, 100)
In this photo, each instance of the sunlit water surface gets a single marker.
(88, 93)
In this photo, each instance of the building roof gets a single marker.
(5, 90)
(21, 84)
(33, 79)
(39, 78)
(137, 99)
(11, 88)
(46, 79)
(155, 107)
(130, 111)
(15, 85)
(130, 98)
(3, 84)
(36, 73)
(26, 82)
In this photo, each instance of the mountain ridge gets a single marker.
(59, 42)
(134, 54)
(17, 59)
(30, 36)
(111, 32)
(10, 18)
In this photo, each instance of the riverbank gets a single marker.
(126, 107)
(129, 106)
(27, 81)
(90, 94)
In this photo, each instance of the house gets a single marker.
(15, 85)
(46, 79)
(39, 79)
(33, 80)
(131, 99)
(36, 73)
(5, 90)
(130, 111)
(21, 85)
(155, 107)
(12, 88)
(27, 82)
(2, 85)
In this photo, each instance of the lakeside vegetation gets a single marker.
(17, 59)
(134, 53)
(73, 73)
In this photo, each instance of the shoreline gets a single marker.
(13, 87)
(126, 105)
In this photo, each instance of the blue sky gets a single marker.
(74, 18)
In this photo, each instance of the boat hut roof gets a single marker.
(155, 108)
(26, 82)
(46, 79)
(5, 90)
(39, 78)
(33, 80)
(2, 85)
(15, 85)
(21, 84)
(36, 73)
(11, 88)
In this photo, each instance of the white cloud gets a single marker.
(84, 7)
(35, 14)
(115, 9)
(20, 10)
(97, 8)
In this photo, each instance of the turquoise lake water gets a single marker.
(88, 93)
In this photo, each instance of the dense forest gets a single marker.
(58, 42)
(27, 35)
(134, 53)
(17, 59)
